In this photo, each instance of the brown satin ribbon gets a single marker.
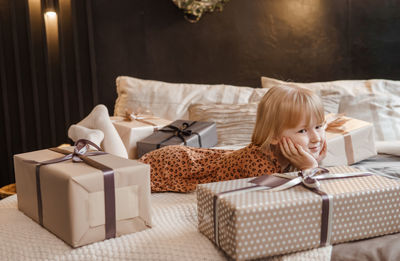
(108, 174)
(348, 147)
(269, 181)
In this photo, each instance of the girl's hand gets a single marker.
(322, 154)
(297, 156)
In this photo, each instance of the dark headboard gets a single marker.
(47, 87)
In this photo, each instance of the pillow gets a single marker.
(172, 100)
(330, 101)
(235, 122)
(376, 101)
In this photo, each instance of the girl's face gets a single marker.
(310, 137)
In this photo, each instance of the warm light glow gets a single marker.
(51, 14)
(51, 25)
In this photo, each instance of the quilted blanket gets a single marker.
(174, 236)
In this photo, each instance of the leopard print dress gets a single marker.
(180, 168)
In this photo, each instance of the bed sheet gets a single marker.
(382, 164)
(174, 236)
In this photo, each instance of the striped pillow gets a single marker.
(172, 100)
(235, 122)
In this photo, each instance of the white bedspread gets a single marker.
(174, 236)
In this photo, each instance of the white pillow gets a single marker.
(172, 100)
(376, 101)
(235, 122)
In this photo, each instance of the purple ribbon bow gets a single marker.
(180, 132)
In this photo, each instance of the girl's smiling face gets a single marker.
(310, 136)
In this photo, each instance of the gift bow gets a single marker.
(81, 149)
(309, 178)
(181, 132)
(335, 123)
(133, 116)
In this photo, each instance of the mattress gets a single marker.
(174, 235)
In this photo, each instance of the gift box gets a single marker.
(349, 141)
(200, 134)
(131, 130)
(101, 197)
(246, 220)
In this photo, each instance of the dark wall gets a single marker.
(309, 40)
(46, 88)
(299, 40)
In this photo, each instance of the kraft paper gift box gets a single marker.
(249, 224)
(349, 141)
(131, 131)
(200, 134)
(68, 198)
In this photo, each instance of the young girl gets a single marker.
(289, 134)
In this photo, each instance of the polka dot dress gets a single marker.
(180, 168)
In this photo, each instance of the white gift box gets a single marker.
(132, 131)
(349, 141)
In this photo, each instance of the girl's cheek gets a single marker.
(323, 134)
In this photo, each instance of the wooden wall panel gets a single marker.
(46, 77)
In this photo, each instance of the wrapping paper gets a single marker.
(199, 134)
(255, 224)
(132, 131)
(351, 142)
(72, 195)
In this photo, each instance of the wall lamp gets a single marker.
(51, 24)
(50, 8)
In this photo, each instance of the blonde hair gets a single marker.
(283, 107)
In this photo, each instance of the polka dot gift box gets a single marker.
(247, 220)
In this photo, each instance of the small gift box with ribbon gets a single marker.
(349, 140)
(283, 213)
(200, 134)
(135, 127)
(83, 196)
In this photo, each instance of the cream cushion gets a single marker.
(235, 122)
(172, 100)
(376, 101)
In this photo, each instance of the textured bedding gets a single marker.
(174, 235)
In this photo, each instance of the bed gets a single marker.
(174, 235)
